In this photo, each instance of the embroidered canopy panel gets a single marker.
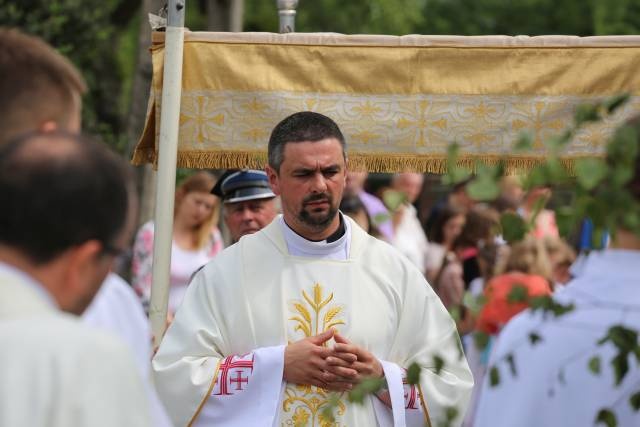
(400, 101)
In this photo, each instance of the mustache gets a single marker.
(319, 197)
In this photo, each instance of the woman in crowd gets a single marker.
(196, 239)
(447, 226)
(527, 268)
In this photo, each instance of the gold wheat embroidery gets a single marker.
(303, 404)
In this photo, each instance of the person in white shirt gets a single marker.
(68, 208)
(251, 343)
(564, 367)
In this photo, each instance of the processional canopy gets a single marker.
(400, 101)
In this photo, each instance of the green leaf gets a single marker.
(586, 113)
(615, 102)
(451, 413)
(413, 372)
(484, 188)
(534, 338)
(594, 365)
(455, 174)
(620, 365)
(524, 142)
(393, 199)
(438, 363)
(494, 376)
(634, 401)
(607, 417)
(512, 364)
(514, 228)
(380, 218)
(590, 172)
(481, 340)
(518, 294)
(567, 220)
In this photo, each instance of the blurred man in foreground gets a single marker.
(68, 209)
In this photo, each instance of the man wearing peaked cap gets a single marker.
(249, 202)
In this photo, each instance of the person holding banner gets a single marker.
(307, 306)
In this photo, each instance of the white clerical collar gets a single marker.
(299, 246)
(28, 281)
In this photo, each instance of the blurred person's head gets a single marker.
(492, 257)
(353, 207)
(561, 256)
(459, 197)
(355, 182)
(480, 228)
(511, 195)
(195, 207)
(529, 256)
(40, 89)
(409, 183)
(68, 209)
(307, 169)
(448, 225)
(249, 204)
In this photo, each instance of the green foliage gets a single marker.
(393, 199)
(625, 341)
(413, 372)
(438, 363)
(606, 417)
(364, 388)
(634, 401)
(594, 365)
(518, 294)
(534, 338)
(481, 340)
(514, 228)
(89, 32)
(494, 376)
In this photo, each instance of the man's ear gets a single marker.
(82, 262)
(274, 182)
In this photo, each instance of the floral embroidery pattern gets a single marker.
(303, 404)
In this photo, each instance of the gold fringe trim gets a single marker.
(371, 162)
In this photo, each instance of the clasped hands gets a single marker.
(339, 368)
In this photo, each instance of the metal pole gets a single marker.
(237, 14)
(287, 13)
(167, 158)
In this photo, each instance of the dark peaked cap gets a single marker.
(241, 185)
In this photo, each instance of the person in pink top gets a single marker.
(196, 239)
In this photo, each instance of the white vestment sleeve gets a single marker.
(406, 409)
(247, 390)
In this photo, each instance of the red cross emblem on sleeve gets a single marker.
(225, 380)
(410, 394)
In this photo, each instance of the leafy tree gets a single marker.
(89, 33)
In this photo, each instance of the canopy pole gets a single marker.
(287, 13)
(167, 158)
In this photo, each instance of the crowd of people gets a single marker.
(286, 284)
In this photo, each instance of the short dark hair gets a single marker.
(37, 84)
(300, 127)
(58, 191)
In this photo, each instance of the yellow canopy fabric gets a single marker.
(400, 101)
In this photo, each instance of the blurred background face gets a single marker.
(248, 217)
(410, 184)
(355, 182)
(196, 207)
(452, 229)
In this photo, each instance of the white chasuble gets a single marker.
(221, 360)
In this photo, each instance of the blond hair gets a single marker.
(530, 257)
(201, 182)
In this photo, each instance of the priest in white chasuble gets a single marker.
(307, 307)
